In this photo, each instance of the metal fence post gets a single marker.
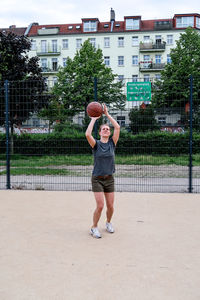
(95, 99)
(7, 112)
(190, 135)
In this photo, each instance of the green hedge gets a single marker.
(60, 143)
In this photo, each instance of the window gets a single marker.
(197, 22)
(44, 64)
(134, 78)
(36, 122)
(157, 76)
(146, 39)
(169, 39)
(120, 77)
(120, 60)
(146, 77)
(65, 44)
(146, 61)
(132, 24)
(121, 120)
(158, 59)
(46, 80)
(184, 22)
(120, 42)
(90, 26)
(162, 120)
(64, 62)
(107, 60)
(33, 45)
(44, 46)
(135, 41)
(158, 39)
(93, 42)
(169, 59)
(78, 43)
(54, 46)
(54, 64)
(106, 42)
(135, 60)
(55, 80)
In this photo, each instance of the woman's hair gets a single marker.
(102, 126)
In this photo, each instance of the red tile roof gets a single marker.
(118, 26)
(15, 30)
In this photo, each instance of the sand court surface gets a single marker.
(47, 253)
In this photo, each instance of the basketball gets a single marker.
(94, 109)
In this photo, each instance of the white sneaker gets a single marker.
(95, 232)
(109, 227)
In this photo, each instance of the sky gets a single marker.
(23, 12)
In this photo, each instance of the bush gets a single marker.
(142, 119)
(56, 143)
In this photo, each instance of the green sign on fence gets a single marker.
(139, 91)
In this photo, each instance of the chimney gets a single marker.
(112, 15)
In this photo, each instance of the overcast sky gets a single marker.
(23, 12)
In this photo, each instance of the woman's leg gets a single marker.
(99, 197)
(110, 205)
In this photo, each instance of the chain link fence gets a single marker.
(43, 149)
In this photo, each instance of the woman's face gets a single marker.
(105, 131)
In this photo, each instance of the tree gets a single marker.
(54, 112)
(27, 87)
(75, 86)
(142, 119)
(173, 89)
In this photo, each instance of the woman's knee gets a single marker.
(110, 206)
(100, 206)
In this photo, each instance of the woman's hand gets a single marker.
(105, 109)
(95, 118)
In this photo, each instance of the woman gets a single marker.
(104, 167)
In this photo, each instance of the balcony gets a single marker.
(163, 25)
(152, 47)
(47, 70)
(149, 66)
(48, 51)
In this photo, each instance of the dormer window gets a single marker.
(183, 22)
(132, 24)
(197, 22)
(90, 26)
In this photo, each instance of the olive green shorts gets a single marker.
(104, 184)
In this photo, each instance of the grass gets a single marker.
(60, 165)
(87, 159)
(42, 172)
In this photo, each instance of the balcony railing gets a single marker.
(150, 47)
(49, 70)
(48, 51)
(146, 66)
(163, 25)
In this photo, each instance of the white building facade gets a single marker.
(135, 49)
(132, 48)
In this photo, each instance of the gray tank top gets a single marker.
(104, 158)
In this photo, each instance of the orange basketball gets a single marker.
(94, 109)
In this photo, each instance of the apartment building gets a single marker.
(135, 49)
(132, 48)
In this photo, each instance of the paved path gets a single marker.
(83, 183)
(46, 252)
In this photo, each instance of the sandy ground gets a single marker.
(46, 252)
